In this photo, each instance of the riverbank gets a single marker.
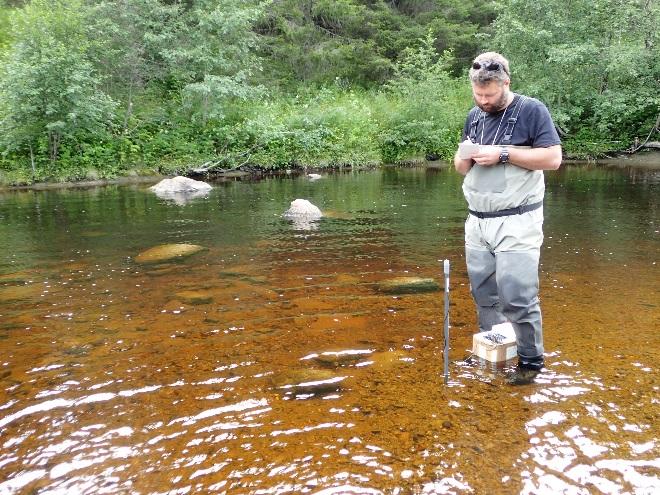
(648, 159)
(218, 176)
(645, 159)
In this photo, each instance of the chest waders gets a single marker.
(494, 178)
(504, 284)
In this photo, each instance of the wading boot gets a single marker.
(522, 376)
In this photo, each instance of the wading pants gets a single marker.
(502, 256)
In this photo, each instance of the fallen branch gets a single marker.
(647, 144)
(213, 164)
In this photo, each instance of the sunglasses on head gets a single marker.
(489, 66)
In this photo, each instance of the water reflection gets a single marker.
(271, 363)
(181, 198)
(304, 223)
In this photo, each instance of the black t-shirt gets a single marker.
(533, 127)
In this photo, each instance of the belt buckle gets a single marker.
(520, 210)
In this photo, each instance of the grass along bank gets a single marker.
(330, 127)
(318, 128)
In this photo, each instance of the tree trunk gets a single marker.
(129, 106)
(648, 42)
(54, 145)
(34, 169)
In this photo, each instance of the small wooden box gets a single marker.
(497, 345)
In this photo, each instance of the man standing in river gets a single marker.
(508, 140)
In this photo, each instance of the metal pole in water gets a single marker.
(446, 353)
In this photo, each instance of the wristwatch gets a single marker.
(504, 155)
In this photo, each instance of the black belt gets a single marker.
(509, 211)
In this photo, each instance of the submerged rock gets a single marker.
(408, 285)
(390, 359)
(337, 359)
(159, 271)
(167, 252)
(17, 277)
(195, 297)
(20, 292)
(310, 381)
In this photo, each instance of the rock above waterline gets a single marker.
(301, 208)
(408, 285)
(180, 185)
(167, 252)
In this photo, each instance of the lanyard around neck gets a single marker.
(483, 125)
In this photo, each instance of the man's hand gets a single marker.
(463, 162)
(529, 158)
(487, 156)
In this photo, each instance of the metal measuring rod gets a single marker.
(446, 319)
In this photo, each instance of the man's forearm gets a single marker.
(529, 158)
(462, 165)
(536, 158)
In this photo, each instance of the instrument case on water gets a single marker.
(497, 345)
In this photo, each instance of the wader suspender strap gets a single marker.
(505, 141)
(476, 115)
(511, 122)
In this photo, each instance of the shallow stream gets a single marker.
(271, 362)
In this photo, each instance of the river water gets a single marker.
(272, 363)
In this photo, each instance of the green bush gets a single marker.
(589, 143)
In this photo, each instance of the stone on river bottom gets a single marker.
(307, 381)
(167, 252)
(21, 292)
(16, 277)
(408, 285)
(195, 297)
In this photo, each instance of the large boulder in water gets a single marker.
(167, 252)
(180, 185)
(303, 214)
(181, 190)
(302, 209)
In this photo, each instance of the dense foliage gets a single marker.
(595, 63)
(99, 88)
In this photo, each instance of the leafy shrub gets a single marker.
(589, 143)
